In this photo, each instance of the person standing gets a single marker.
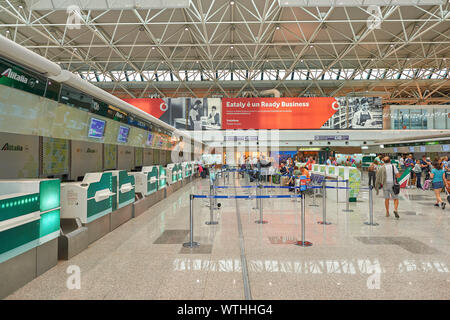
(386, 176)
(425, 164)
(194, 114)
(372, 173)
(418, 172)
(214, 117)
(401, 162)
(439, 179)
(329, 161)
(310, 163)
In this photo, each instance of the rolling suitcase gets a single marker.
(426, 185)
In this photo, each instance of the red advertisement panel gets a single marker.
(153, 106)
(277, 113)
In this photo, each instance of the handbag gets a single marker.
(396, 186)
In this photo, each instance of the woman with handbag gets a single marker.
(438, 182)
(387, 177)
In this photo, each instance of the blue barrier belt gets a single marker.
(248, 197)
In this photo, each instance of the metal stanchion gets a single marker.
(211, 212)
(371, 223)
(303, 242)
(337, 190)
(324, 204)
(217, 205)
(347, 196)
(191, 243)
(261, 220)
(257, 193)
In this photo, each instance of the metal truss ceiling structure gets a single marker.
(233, 48)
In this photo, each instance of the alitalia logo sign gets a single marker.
(9, 73)
(10, 147)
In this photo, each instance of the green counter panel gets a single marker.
(104, 183)
(15, 237)
(152, 187)
(18, 206)
(97, 209)
(124, 178)
(50, 191)
(115, 191)
(49, 223)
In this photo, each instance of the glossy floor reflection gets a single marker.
(407, 258)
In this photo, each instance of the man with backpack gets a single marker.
(386, 178)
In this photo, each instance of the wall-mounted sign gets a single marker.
(332, 138)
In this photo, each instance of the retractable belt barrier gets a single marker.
(302, 188)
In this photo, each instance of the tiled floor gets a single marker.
(407, 258)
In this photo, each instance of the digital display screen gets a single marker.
(149, 139)
(445, 147)
(422, 148)
(123, 134)
(96, 128)
(411, 149)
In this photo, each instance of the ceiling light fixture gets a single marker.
(231, 3)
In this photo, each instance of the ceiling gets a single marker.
(236, 48)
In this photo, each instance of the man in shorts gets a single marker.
(384, 178)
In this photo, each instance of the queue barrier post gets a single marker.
(303, 242)
(258, 189)
(191, 243)
(324, 204)
(211, 208)
(347, 197)
(261, 220)
(371, 222)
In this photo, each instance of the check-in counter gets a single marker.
(186, 168)
(146, 180)
(179, 172)
(29, 214)
(353, 175)
(123, 188)
(29, 230)
(172, 173)
(88, 200)
(162, 178)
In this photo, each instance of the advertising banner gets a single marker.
(85, 157)
(19, 156)
(266, 113)
(279, 113)
(125, 159)
(109, 156)
(55, 157)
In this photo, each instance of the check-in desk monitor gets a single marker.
(88, 200)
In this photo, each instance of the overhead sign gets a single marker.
(277, 113)
(328, 138)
